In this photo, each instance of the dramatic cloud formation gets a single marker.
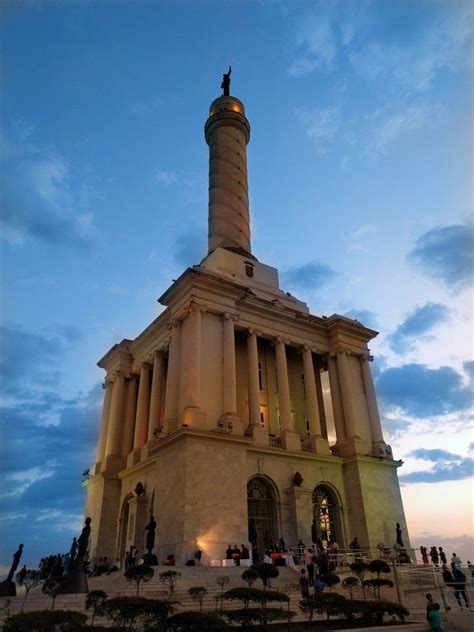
(416, 325)
(446, 467)
(310, 276)
(38, 198)
(446, 254)
(423, 392)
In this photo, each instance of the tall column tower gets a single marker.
(227, 133)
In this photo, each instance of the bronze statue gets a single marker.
(225, 85)
(16, 561)
(73, 549)
(398, 531)
(83, 541)
(150, 536)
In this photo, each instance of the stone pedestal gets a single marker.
(7, 589)
(74, 583)
(150, 559)
(351, 447)
(319, 445)
(231, 423)
(290, 440)
(259, 435)
(193, 417)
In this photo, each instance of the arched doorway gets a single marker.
(124, 528)
(261, 513)
(326, 514)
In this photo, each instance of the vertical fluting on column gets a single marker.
(172, 379)
(104, 420)
(141, 421)
(192, 393)
(155, 394)
(347, 395)
(375, 425)
(228, 365)
(130, 415)
(336, 399)
(227, 133)
(115, 416)
(284, 401)
(311, 393)
(254, 388)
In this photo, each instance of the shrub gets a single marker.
(265, 572)
(379, 608)
(52, 588)
(376, 584)
(331, 579)
(139, 574)
(158, 611)
(351, 584)
(169, 579)
(250, 575)
(330, 603)
(246, 617)
(360, 569)
(221, 581)
(196, 622)
(29, 581)
(198, 593)
(95, 600)
(125, 611)
(46, 621)
(379, 566)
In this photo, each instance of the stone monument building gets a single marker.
(237, 415)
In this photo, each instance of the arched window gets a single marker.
(261, 513)
(326, 514)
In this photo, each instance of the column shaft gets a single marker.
(375, 425)
(130, 415)
(286, 422)
(254, 388)
(193, 360)
(141, 420)
(336, 400)
(228, 363)
(155, 395)
(311, 394)
(346, 394)
(172, 379)
(115, 416)
(104, 421)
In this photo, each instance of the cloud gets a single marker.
(315, 43)
(446, 254)
(310, 276)
(143, 108)
(40, 199)
(446, 467)
(423, 392)
(320, 125)
(416, 325)
(463, 544)
(165, 177)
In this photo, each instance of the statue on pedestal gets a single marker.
(398, 531)
(75, 579)
(7, 587)
(225, 85)
(149, 558)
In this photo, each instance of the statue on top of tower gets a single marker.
(225, 85)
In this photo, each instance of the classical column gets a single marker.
(172, 379)
(311, 394)
(104, 420)
(115, 416)
(130, 414)
(155, 394)
(284, 401)
(347, 395)
(228, 363)
(192, 395)
(375, 425)
(254, 387)
(141, 420)
(336, 399)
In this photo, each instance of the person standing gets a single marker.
(442, 556)
(456, 560)
(434, 555)
(434, 618)
(308, 559)
(304, 584)
(459, 586)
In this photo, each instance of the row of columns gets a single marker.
(122, 431)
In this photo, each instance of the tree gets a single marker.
(158, 611)
(198, 593)
(29, 581)
(52, 588)
(46, 621)
(221, 581)
(351, 584)
(378, 567)
(331, 579)
(262, 614)
(265, 572)
(169, 579)
(95, 600)
(125, 611)
(196, 622)
(139, 574)
(250, 575)
(377, 584)
(360, 569)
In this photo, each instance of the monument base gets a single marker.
(150, 559)
(74, 583)
(7, 589)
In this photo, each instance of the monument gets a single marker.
(235, 388)
(8, 586)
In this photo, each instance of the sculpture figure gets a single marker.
(150, 536)
(314, 532)
(73, 549)
(83, 541)
(225, 85)
(16, 561)
(398, 531)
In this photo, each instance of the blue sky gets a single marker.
(360, 167)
